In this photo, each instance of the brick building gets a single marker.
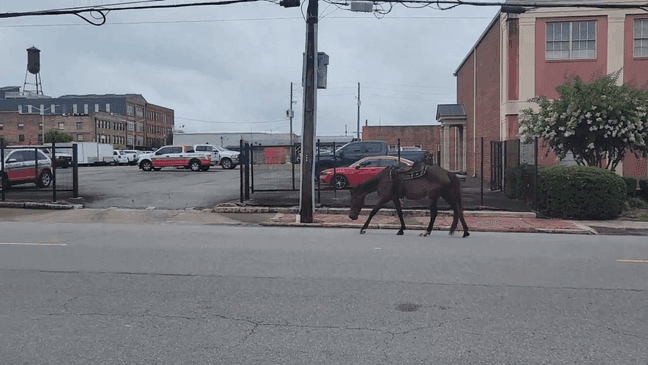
(522, 56)
(126, 120)
(425, 137)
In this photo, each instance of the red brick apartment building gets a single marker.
(425, 137)
(522, 56)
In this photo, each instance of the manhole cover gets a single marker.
(408, 307)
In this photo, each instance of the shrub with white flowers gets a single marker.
(599, 122)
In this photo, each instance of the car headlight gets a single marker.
(326, 172)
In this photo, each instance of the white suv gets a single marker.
(220, 156)
(20, 168)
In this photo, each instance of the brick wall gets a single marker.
(30, 132)
(425, 136)
(478, 89)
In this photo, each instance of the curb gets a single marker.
(580, 230)
(37, 205)
(366, 211)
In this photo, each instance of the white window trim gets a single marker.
(643, 39)
(571, 41)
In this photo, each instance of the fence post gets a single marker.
(292, 160)
(247, 171)
(319, 190)
(241, 168)
(75, 171)
(535, 183)
(3, 183)
(482, 172)
(252, 168)
(399, 160)
(505, 156)
(54, 172)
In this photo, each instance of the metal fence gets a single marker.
(24, 174)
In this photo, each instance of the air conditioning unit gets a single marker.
(362, 6)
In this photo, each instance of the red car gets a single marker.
(344, 177)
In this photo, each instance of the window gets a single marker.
(641, 38)
(61, 125)
(79, 137)
(21, 138)
(20, 109)
(571, 40)
(85, 109)
(96, 108)
(1, 127)
(79, 125)
(53, 109)
(29, 109)
(140, 112)
(74, 109)
(107, 108)
(129, 110)
(21, 126)
(40, 126)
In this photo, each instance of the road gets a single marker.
(216, 294)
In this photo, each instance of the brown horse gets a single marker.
(434, 182)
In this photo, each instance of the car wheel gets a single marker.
(194, 165)
(146, 165)
(205, 168)
(45, 179)
(226, 163)
(340, 182)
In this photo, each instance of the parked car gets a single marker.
(131, 155)
(20, 168)
(175, 156)
(220, 156)
(119, 158)
(356, 150)
(345, 177)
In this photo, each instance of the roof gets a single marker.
(451, 111)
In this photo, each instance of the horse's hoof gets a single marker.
(424, 234)
(466, 234)
(362, 231)
(400, 233)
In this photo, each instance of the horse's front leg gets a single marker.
(433, 215)
(400, 216)
(373, 212)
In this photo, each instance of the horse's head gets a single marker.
(357, 203)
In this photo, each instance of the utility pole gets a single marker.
(358, 110)
(307, 190)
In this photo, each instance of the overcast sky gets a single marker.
(229, 68)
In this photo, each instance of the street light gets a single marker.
(42, 113)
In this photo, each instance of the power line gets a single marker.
(99, 13)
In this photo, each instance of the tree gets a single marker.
(55, 136)
(599, 122)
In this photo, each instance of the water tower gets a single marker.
(33, 67)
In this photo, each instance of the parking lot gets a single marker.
(130, 187)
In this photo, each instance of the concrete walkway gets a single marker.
(237, 214)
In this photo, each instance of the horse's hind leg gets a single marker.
(456, 216)
(400, 215)
(433, 215)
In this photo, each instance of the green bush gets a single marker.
(643, 185)
(519, 182)
(631, 185)
(580, 192)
